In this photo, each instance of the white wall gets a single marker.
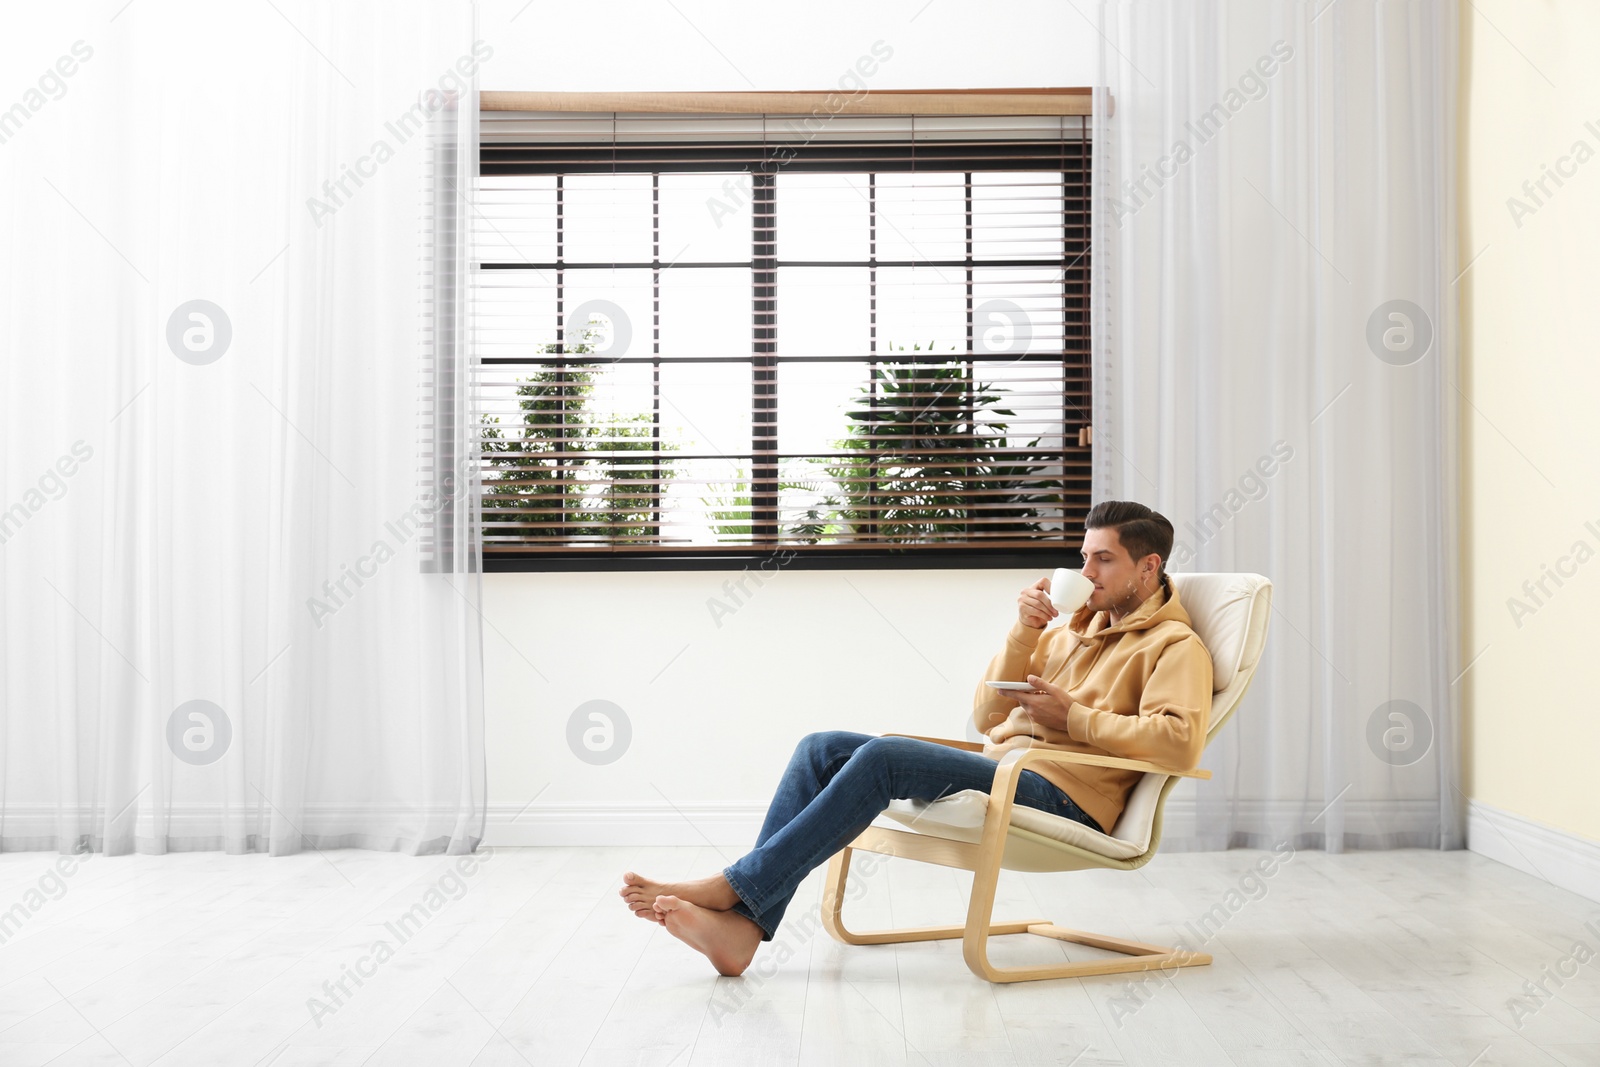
(716, 709)
(629, 45)
(869, 651)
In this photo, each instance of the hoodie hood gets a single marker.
(1161, 606)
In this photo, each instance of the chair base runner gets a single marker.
(980, 924)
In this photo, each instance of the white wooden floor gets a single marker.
(1369, 958)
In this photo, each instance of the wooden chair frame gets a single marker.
(983, 858)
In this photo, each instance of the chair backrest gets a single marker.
(1230, 613)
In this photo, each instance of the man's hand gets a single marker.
(1047, 705)
(1034, 607)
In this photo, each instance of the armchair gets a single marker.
(985, 832)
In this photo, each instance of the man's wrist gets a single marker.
(1025, 635)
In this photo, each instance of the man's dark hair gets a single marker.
(1141, 530)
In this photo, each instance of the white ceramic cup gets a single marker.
(1069, 590)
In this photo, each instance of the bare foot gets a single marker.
(726, 938)
(640, 893)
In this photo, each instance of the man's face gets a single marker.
(1114, 573)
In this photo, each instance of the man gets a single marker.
(1127, 676)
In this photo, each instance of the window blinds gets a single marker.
(714, 334)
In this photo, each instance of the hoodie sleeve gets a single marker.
(991, 707)
(1174, 710)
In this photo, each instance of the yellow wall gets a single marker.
(1530, 370)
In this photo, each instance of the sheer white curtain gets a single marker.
(1275, 372)
(241, 597)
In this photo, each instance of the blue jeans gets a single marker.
(836, 784)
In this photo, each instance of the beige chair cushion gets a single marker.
(1229, 613)
(959, 817)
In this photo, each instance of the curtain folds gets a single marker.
(239, 546)
(1275, 371)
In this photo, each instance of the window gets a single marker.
(709, 337)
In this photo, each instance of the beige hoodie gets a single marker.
(1140, 689)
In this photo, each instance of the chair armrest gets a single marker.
(1047, 755)
(1032, 755)
(1008, 773)
(970, 746)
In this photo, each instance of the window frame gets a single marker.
(989, 103)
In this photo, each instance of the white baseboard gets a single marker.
(1563, 859)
